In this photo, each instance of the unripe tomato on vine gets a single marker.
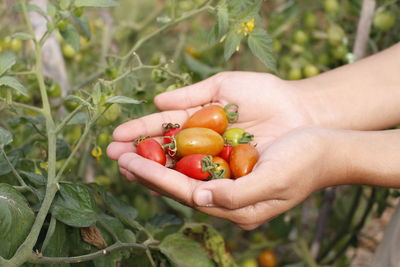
(384, 20)
(16, 45)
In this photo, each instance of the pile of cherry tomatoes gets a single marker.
(204, 148)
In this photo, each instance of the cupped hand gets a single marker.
(268, 108)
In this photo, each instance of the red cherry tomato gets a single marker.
(222, 167)
(242, 160)
(151, 149)
(192, 166)
(170, 131)
(198, 141)
(212, 117)
(226, 152)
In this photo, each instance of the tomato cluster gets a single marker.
(204, 148)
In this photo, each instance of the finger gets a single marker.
(159, 177)
(190, 96)
(127, 174)
(249, 217)
(116, 149)
(154, 193)
(150, 125)
(255, 187)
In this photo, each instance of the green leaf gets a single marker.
(126, 213)
(79, 118)
(199, 67)
(16, 219)
(232, 43)
(22, 36)
(64, 4)
(260, 45)
(95, 3)
(83, 25)
(117, 227)
(223, 20)
(7, 60)
(63, 149)
(36, 179)
(184, 252)
(77, 99)
(51, 10)
(13, 83)
(5, 137)
(72, 37)
(13, 158)
(123, 100)
(182, 209)
(31, 8)
(58, 245)
(74, 206)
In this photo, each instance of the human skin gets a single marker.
(298, 155)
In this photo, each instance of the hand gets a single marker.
(268, 108)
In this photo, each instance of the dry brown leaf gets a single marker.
(92, 235)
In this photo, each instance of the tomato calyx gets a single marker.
(246, 138)
(207, 165)
(232, 112)
(140, 139)
(168, 126)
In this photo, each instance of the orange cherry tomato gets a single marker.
(198, 141)
(213, 117)
(267, 258)
(242, 159)
(223, 166)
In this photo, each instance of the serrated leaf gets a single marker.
(34, 178)
(184, 252)
(126, 213)
(58, 245)
(7, 60)
(72, 37)
(123, 100)
(222, 20)
(232, 42)
(5, 137)
(260, 45)
(117, 227)
(16, 219)
(14, 84)
(63, 149)
(74, 206)
(22, 36)
(95, 3)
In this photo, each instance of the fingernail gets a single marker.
(203, 198)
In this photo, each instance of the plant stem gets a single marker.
(57, 260)
(21, 105)
(50, 232)
(14, 171)
(68, 118)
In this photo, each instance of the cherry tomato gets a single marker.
(222, 169)
(62, 25)
(235, 136)
(68, 51)
(193, 166)
(310, 20)
(251, 262)
(295, 74)
(213, 117)
(171, 130)
(54, 90)
(335, 35)
(331, 6)
(198, 141)
(267, 258)
(150, 149)
(70, 105)
(16, 45)
(300, 37)
(310, 70)
(384, 20)
(226, 152)
(242, 159)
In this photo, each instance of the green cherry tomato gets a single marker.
(300, 37)
(331, 6)
(339, 52)
(16, 45)
(277, 46)
(335, 35)
(54, 90)
(295, 74)
(384, 20)
(310, 70)
(78, 11)
(310, 20)
(70, 105)
(235, 136)
(297, 49)
(68, 51)
(62, 25)
(250, 262)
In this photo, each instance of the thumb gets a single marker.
(190, 96)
